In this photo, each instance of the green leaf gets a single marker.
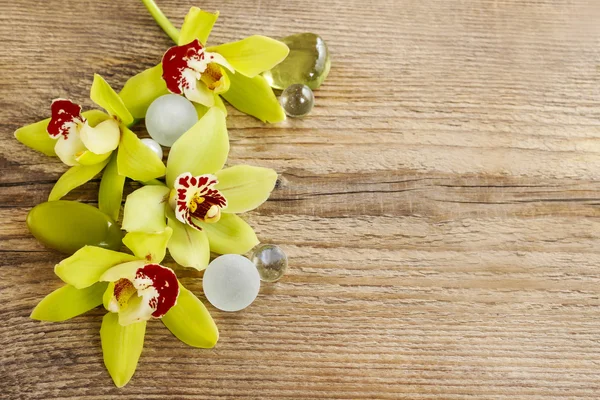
(126, 270)
(145, 210)
(188, 246)
(203, 149)
(110, 194)
(122, 346)
(35, 136)
(86, 266)
(253, 55)
(135, 160)
(68, 302)
(197, 25)
(105, 96)
(245, 187)
(190, 321)
(142, 89)
(151, 247)
(255, 97)
(230, 235)
(75, 177)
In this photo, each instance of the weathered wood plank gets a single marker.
(439, 206)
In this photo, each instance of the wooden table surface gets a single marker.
(440, 206)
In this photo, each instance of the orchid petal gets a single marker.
(125, 270)
(142, 89)
(255, 97)
(86, 266)
(110, 193)
(69, 149)
(230, 235)
(68, 302)
(202, 110)
(203, 149)
(151, 247)
(216, 58)
(190, 321)
(197, 25)
(108, 294)
(200, 94)
(145, 210)
(95, 117)
(217, 86)
(253, 55)
(75, 177)
(245, 187)
(103, 95)
(35, 136)
(122, 347)
(89, 158)
(220, 105)
(135, 160)
(188, 247)
(101, 138)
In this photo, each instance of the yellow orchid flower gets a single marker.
(203, 74)
(200, 199)
(134, 289)
(86, 142)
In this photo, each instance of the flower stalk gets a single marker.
(162, 20)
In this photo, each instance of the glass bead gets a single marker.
(154, 146)
(67, 226)
(308, 62)
(270, 261)
(169, 117)
(297, 100)
(231, 282)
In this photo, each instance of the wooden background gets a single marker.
(440, 206)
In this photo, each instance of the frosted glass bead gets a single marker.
(154, 146)
(231, 282)
(297, 100)
(169, 117)
(270, 261)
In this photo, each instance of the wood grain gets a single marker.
(440, 206)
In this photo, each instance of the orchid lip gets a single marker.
(151, 292)
(195, 198)
(66, 118)
(185, 66)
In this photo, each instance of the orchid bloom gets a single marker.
(200, 200)
(86, 141)
(134, 289)
(231, 70)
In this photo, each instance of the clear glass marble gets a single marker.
(270, 261)
(169, 117)
(231, 282)
(308, 62)
(154, 146)
(297, 100)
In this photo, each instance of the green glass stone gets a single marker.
(67, 226)
(308, 62)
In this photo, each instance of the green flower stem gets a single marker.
(162, 20)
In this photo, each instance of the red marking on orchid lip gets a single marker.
(183, 181)
(176, 61)
(64, 112)
(193, 181)
(165, 282)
